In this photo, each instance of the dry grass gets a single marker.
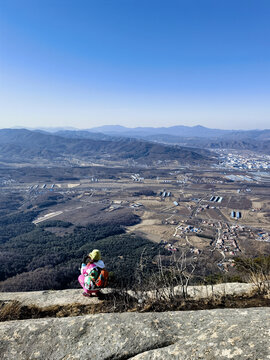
(14, 310)
(123, 302)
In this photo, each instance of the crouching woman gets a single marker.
(90, 271)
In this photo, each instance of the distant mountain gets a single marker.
(83, 134)
(197, 136)
(258, 144)
(33, 146)
(110, 129)
(184, 131)
(249, 134)
(150, 133)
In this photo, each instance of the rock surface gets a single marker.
(210, 334)
(48, 297)
(71, 296)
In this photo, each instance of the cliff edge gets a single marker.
(51, 331)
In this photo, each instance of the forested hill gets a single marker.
(24, 145)
(53, 262)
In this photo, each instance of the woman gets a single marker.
(90, 270)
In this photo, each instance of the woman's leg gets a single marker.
(81, 281)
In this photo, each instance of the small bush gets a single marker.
(255, 270)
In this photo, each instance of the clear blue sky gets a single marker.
(84, 63)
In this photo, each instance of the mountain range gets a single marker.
(196, 137)
(118, 143)
(21, 145)
(181, 131)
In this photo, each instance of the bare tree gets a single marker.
(170, 280)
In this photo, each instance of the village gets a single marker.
(250, 161)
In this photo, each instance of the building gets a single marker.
(238, 215)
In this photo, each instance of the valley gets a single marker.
(135, 200)
(213, 214)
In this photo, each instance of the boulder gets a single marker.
(207, 334)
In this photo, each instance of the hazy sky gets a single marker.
(85, 63)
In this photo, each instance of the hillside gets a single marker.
(51, 261)
(22, 146)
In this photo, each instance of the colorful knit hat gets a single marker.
(95, 255)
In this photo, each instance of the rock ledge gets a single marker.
(210, 334)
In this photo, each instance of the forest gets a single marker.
(33, 258)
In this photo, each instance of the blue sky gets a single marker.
(86, 63)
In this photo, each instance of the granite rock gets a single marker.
(208, 334)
